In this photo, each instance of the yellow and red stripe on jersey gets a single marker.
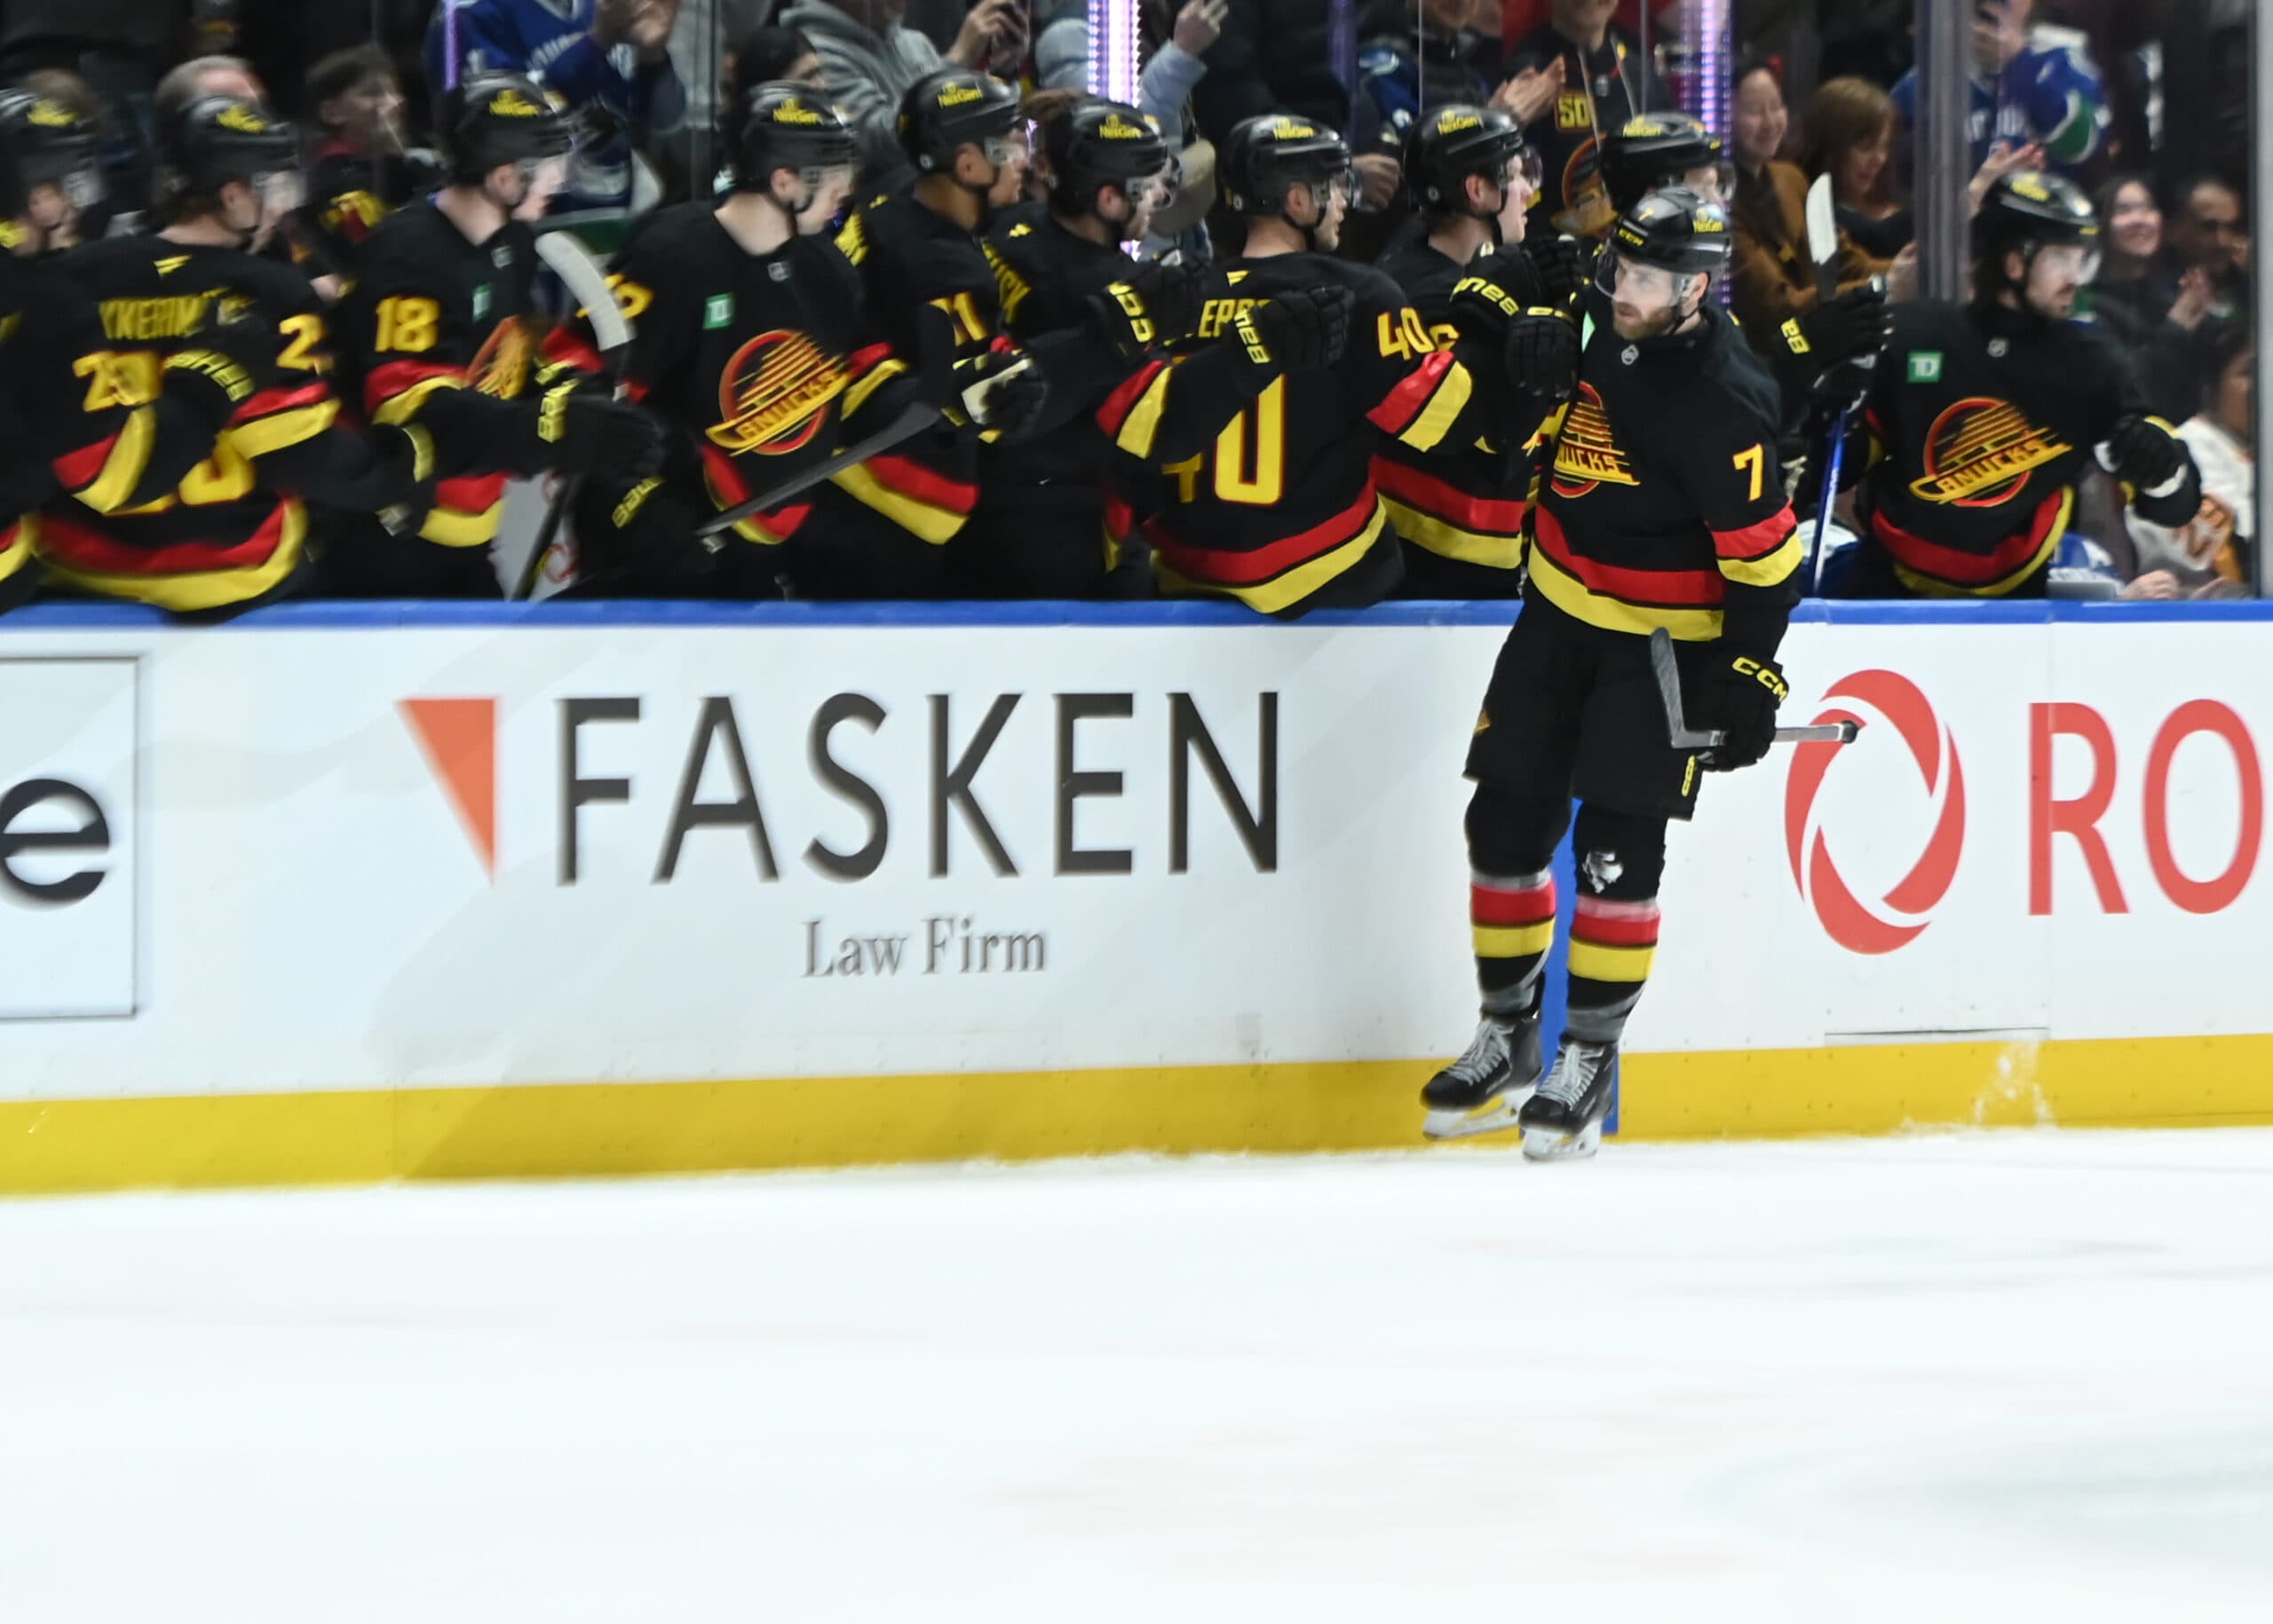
(927, 505)
(1937, 571)
(1686, 602)
(1433, 512)
(467, 511)
(1130, 415)
(729, 489)
(1764, 554)
(1422, 410)
(183, 576)
(1279, 575)
(1513, 918)
(1612, 940)
(16, 544)
(104, 474)
(274, 418)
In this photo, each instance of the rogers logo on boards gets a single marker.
(1904, 913)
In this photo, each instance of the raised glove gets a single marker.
(2143, 456)
(1154, 305)
(1542, 355)
(1563, 266)
(1295, 330)
(1738, 700)
(590, 433)
(1852, 328)
(1004, 392)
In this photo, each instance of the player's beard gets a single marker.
(1655, 324)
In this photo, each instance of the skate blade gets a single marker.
(1494, 1115)
(1546, 1144)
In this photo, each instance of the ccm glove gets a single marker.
(1852, 328)
(1307, 328)
(1153, 307)
(1739, 699)
(1564, 266)
(590, 433)
(2144, 456)
(1003, 391)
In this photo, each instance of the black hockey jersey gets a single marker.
(1983, 421)
(1466, 506)
(444, 332)
(234, 528)
(1280, 510)
(1664, 504)
(349, 193)
(763, 367)
(82, 419)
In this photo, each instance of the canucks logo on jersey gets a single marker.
(774, 394)
(1979, 454)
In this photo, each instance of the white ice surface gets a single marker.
(2011, 1377)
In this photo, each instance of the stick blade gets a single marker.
(587, 283)
(1823, 235)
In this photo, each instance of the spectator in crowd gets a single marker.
(1773, 277)
(1172, 71)
(2211, 235)
(2211, 557)
(869, 56)
(2025, 92)
(1432, 53)
(2143, 302)
(1289, 55)
(773, 55)
(608, 60)
(1849, 137)
(1599, 81)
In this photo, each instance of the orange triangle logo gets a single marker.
(459, 739)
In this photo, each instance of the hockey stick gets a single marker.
(587, 283)
(1822, 247)
(1682, 737)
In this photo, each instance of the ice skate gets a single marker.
(1481, 1092)
(1563, 1121)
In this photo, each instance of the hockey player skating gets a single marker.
(90, 424)
(753, 345)
(1664, 507)
(234, 531)
(439, 333)
(1282, 512)
(1461, 514)
(1986, 416)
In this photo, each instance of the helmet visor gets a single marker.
(280, 192)
(1524, 168)
(1151, 194)
(1648, 290)
(2069, 262)
(1014, 145)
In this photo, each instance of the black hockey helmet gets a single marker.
(1273, 151)
(786, 126)
(2028, 210)
(493, 119)
(945, 112)
(1655, 149)
(44, 142)
(1100, 143)
(217, 140)
(1671, 230)
(1448, 145)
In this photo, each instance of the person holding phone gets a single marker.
(870, 58)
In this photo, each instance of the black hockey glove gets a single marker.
(230, 362)
(1542, 355)
(1003, 391)
(587, 433)
(1292, 331)
(1153, 307)
(1564, 265)
(1852, 328)
(2143, 456)
(1738, 700)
